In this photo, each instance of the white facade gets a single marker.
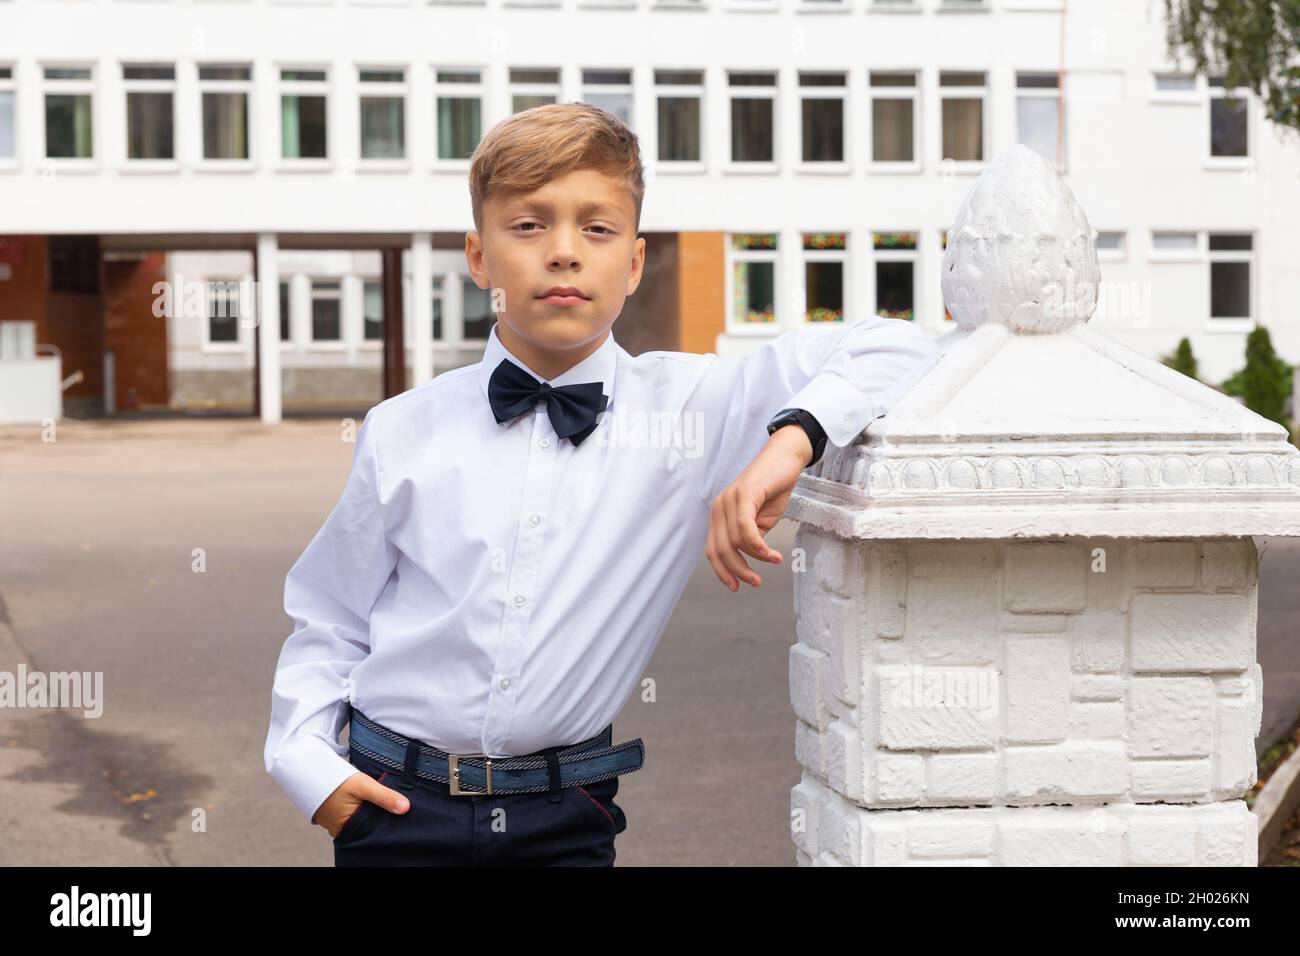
(1136, 152)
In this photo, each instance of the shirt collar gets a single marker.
(599, 366)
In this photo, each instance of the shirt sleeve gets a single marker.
(845, 376)
(328, 592)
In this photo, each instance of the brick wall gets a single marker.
(136, 337)
(702, 271)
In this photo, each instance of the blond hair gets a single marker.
(525, 151)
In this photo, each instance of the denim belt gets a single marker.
(549, 769)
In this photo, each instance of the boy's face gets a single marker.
(575, 231)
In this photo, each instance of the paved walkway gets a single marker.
(96, 574)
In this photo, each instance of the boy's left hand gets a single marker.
(750, 506)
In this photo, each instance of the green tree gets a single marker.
(1250, 43)
(1266, 380)
(1182, 359)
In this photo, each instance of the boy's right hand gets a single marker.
(348, 797)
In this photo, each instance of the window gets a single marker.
(753, 279)
(303, 96)
(823, 272)
(372, 311)
(223, 310)
(439, 283)
(1230, 262)
(1175, 83)
(611, 90)
(962, 104)
(383, 114)
(1110, 245)
(895, 256)
(1229, 126)
(893, 117)
(326, 311)
(459, 96)
(753, 119)
(821, 112)
(285, 335)
(680, 97)
(6, 112)
(69, 131)
(1038, 115)
(150, 96)
(477, 305)
(533, 87)
(224, 90)
(1173, 242)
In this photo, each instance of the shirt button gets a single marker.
(519, 600)
(535, 520)
(544, 442)
(505, 682)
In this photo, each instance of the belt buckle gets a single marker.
(453, 774)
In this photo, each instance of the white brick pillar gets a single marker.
(1026, 597)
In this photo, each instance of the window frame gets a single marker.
(242, 345)
(1232, 323)
(683, 91)
(912, 93)
(912, 255)
(9, 84)
(245, 87)
(148, 164)
(758, 91)
(70, 87)
(841, 256)
(364, 344)
(313, 344)
(963, 92)
(471, 91)
(830, 92)
(323, 88)
(386, 89)
(732, 325)
(1055, 93)
(628, 89)
(1243, 95)
(514, 88)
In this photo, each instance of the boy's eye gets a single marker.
(521, 228)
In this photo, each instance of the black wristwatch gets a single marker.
(812, 428)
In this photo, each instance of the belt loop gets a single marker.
(553, 765)
(408, 771)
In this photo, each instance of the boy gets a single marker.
(510, 542)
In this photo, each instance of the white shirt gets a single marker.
(491, 588)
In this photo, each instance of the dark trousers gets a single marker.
(575, 827)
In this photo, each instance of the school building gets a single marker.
(804, 159)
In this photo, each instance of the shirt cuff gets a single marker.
(839, 406)
(309, 768)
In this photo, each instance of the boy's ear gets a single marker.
(474, 254)
(637, 267)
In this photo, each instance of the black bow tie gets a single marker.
(572, 408)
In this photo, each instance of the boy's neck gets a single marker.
(546, 363)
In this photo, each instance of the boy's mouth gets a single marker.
(563, 295)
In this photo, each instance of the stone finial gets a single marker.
(1020, 252)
